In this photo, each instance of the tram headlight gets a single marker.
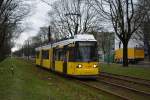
(79, 66)
(94, 66)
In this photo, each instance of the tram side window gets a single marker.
(62, 56)
(37, 54)
(59, 56)
(56, 55)
(45, 54)
(71, 54)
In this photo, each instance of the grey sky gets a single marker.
(37, 19)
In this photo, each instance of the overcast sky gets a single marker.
(37, 19)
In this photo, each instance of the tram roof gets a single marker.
(79, 37)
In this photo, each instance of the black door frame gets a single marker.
(65, 60)
(53, 59)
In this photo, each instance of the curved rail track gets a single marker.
(136, 86)
(123, 87)
(127, 78)
(103, 90)
(140, 92)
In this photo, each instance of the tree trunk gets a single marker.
(125, 54)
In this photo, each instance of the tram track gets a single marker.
(126, 78)
(124, 87)
(122, 92)
(120, 97)
(131, 85)
(143, 93)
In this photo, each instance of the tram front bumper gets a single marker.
(83, 71)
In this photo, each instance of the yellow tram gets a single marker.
(76, 56)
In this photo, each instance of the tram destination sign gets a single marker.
(86, 44)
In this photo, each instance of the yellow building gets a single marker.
(135, 51)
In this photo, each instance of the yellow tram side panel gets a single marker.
(38, 60)
(46, 63)
(87, 68)
(133, 53)
(59, 66)
(139, 53)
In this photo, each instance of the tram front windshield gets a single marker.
(86, 51)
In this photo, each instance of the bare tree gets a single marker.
(145, 30)
(11, 13)
(125, 19)
(70, 17)
(44, 34)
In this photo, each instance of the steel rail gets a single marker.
(127, 78)
(125, 87)
(103, 90)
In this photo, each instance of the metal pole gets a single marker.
(49, 34)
